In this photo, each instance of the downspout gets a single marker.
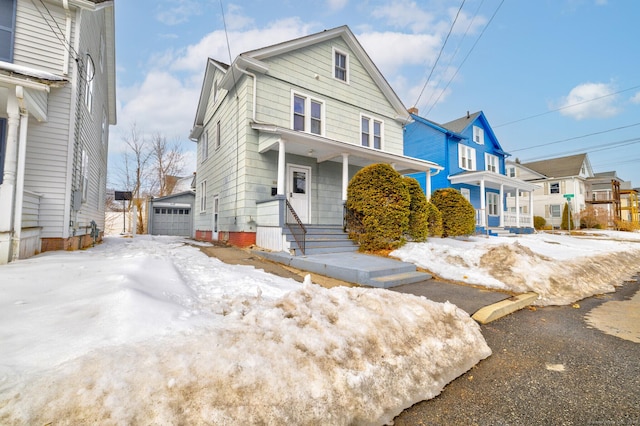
(254, 95)
(19, 189)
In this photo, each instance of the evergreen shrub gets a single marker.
(539, 222)
(565, 218)
(434, 220)
(418, 225)
(458, 215)
(377, 208)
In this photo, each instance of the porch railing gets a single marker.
(511, 220)
(296, 227)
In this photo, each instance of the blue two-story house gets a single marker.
(474, 163)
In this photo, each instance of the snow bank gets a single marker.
(562, 269)
(151, 331)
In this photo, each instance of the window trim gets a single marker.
(371, 135)
(494, 158)
(462, 150)
(3, 145)
(479, 132)
(204, 147)
(90, 73)
(551, 206)
(308, 100)
(12, 33)
(551, 185)
(203, 196)
(217, 138)
(493, 203)
(334, 66)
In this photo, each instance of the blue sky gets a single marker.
(533, 67)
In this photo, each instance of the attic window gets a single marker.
(478, 135)
(340, 66)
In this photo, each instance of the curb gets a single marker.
(498, 310)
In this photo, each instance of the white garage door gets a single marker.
(172, 221)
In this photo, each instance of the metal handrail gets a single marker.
(296, 227)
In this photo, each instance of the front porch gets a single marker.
(502, 202)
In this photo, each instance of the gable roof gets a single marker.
(252, 61)
(205, 93)
(559, 167)
(459, 124)
(435, 126)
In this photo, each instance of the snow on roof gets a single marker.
(43, 76)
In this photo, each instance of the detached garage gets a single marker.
(172, 215)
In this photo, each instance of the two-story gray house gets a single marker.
(282, 130)
(57, 100)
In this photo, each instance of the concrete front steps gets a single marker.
(322, 239)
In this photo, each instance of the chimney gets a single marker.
(413, 110)
(468, 114)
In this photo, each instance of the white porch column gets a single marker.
(22, 158)
(345, 175)
(8, 187)
(531, 208)
(428, 183)
(281, 167)
(517, 207)
(483, 204)
(501, 205)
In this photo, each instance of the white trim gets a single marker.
(203, 196)
(493, 202)
(478, 135)
(371, 131)
(493, 160)
(307, 190)
(308, 100)
(466, 157)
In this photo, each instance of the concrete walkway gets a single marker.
(349, 268)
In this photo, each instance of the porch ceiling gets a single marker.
(325, 149)
(492, 180)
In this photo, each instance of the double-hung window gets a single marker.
(491, 163)
(90, 74)
(204, 146)
(307, 114)
(371, 132)
(555, 210)
(203, 196)
(492, 203)
(7, 29)
(466, 157)
(217, 143)
(478, 135)
(554, 188)
(340, 66)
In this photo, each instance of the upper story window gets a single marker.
(307, 114)
(104, 128)
(466, 157)
(88, 84)
(554, 188)
(7, 29)
(511, 171)
(340, 65)
(204, 146)
(217, 143)
(102, 49)
(491, 163)
(478, 135)
(371, 132)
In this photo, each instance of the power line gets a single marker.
(467, 56)
(439, 54)
(594, 148)
(564, 107)
(576, 137)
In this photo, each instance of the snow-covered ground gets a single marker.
(562, 269)
(150, 330)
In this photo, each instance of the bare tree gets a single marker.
(168, 164)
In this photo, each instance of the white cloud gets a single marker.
(179, 12)
(391, 51)
(402, 14)
(335, 5)
(589, 100)
(636, 98)
(235, 19)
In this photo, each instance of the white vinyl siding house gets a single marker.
(297, 118)
(65, 159)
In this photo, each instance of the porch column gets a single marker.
(345, 175)
(483, 204)
(22, 155)
(531, 208)
(501, 205)
(281, 167)
(517, 207)
(428, 183)
(8, 187)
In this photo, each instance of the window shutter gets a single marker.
(546, 189)
(563, 187)
(546, 211)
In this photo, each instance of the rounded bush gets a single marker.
(377, 208)
(458, 215)
(539, 222)
(434, 220)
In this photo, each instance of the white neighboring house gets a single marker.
(57, 100)
(283, 129)
(561, 179)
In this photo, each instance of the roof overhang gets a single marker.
(325, 149)
(492, 180)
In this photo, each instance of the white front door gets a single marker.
(298, 190)
(216, 216)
